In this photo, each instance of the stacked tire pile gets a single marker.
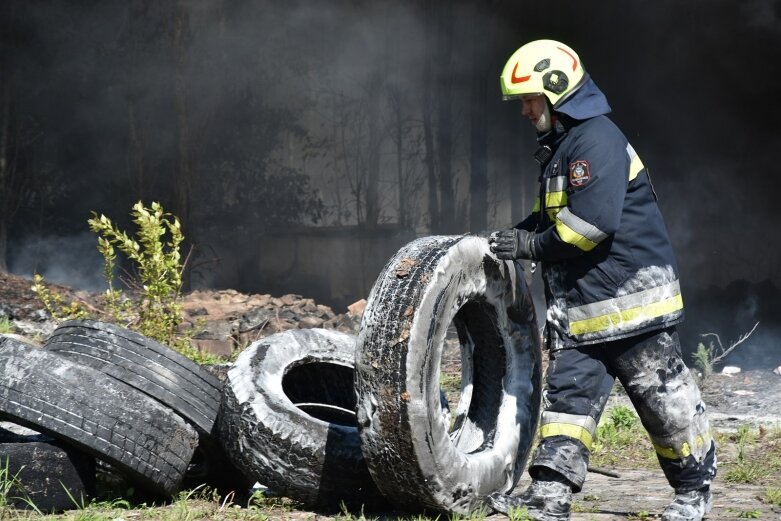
(323, 417)
(96, 390)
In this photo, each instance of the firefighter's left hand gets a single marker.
(512, 244)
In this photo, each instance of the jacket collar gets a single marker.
(584, 103)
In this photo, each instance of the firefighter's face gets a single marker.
(535, 107)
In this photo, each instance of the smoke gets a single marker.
(289, 87)
(71, 261)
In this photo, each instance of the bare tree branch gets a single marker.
(725, 352)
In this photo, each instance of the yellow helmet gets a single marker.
(542, 66)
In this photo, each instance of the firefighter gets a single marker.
(611, 287)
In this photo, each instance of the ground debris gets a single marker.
(225, 320)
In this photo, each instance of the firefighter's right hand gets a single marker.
(512, 244)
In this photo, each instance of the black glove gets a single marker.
(513, 244)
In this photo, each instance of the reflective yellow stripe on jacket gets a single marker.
(627, 311)
(635, 164)
(574, 230)
(555, 195)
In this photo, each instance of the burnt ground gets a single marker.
(751, 397)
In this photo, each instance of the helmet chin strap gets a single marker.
(545, 122)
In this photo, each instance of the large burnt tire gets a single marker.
(414, 456)
(97, 414)
(141, 362)
(287, 418)
(45, 471)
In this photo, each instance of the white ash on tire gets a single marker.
(413, 454)
(287, 419)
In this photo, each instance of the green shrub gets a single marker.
(152, 306)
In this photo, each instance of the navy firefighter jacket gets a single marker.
(607, 261)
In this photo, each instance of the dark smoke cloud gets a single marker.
(690, 84)
(68, 260)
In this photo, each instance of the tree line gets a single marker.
(251, 117)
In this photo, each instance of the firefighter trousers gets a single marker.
(662, 390)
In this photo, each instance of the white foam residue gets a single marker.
(647, 278)
(240, 374)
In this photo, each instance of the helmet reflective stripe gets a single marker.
(542, 67)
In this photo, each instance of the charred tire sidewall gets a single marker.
(102, 416)
(50, 471)
(404, 436)
(163, 374)
(274, 442)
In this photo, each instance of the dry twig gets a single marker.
(725, 352)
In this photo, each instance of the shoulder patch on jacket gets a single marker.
(579, 173)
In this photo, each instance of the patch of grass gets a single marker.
(450, 383)
(583, 508)
(12, 490)
(93, 511)
(519, 514)
(6, 326)
(703, 362)
(622, 439)
(746, 472)
(477, 515)
(754, 462)
(772, 496)
(259, 500)
(346, 515)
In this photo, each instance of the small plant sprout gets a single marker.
(772, 496)
(519, 514)
(706, 357)
(6, 326)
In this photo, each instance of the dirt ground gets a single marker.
(636, 495)
(640, 494)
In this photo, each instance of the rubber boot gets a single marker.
(689, 506)
(543, 500)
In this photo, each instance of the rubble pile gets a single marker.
(225, 320)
